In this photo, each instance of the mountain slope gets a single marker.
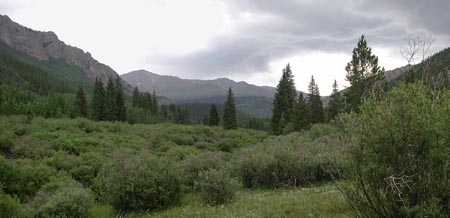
(45, 46)
(183, 89)
(38, 76)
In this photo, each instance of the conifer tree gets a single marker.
(135, 97)
(121, 114)
(98, 101)
(154, 107)
(302, 114)
(229, 115)
(81, 101)
(110, 101)
(283, 103)
(336, 103)
(214, 118)
(315, 102)
(364, 75)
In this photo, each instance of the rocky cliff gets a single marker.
(46, 45)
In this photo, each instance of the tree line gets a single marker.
(294, 112)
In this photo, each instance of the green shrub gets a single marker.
(65, 198)
(216, 186)
(400, 162)
(9, 206)
(135, 183)
(192, 165)
(6, 142)
(24, 177)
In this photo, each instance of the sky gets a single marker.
(244, 40)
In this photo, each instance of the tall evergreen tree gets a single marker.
(81, 101)
(121, 114)
(315, 102)
(154, 107)
(110, 101)
(336, 103)
(364, 75)
(229, 114)
(135, 97)
(98, 101)
(302, 114)
(214, 118)
(284, 101)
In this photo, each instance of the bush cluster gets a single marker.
(138, 183)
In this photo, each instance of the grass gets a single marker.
(321, 201)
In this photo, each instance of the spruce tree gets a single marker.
(81, 101)
(315, 102)
(110, 101)
(135, 97)
(364, 75)
(98, 101)
(214, 118)
(284, 101)
(229, 115)
(302, 114)
(120, 110)
(336, 103)
(154, 107)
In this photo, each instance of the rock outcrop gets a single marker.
(46, 45)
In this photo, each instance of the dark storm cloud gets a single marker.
(293, 27)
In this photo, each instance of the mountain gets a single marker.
(46, 47)
(185, 89)
(250, 99)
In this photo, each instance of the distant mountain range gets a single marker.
(251, 99)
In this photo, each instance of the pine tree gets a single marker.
(315, 102)
(110, 101)
(364, 75)
(336, 103)
(98, 101)
(302, 114)
(214, 119)
(135, 97)
(120, 110)
(284, 101)
(154, 107)
(229, 115)
(81, 101)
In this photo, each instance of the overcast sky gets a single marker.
(249, 40)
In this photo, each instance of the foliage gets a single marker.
(283, 103)
(80, 101)
(315, 102)
(364, 75)
(98, 101)
(9, 206)
(229, 113)
(194, 164)
(400, 162)
(302, 115)
(66, 198)
(135, 183)
(216, 186)
(336, 103)
(214, 119)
